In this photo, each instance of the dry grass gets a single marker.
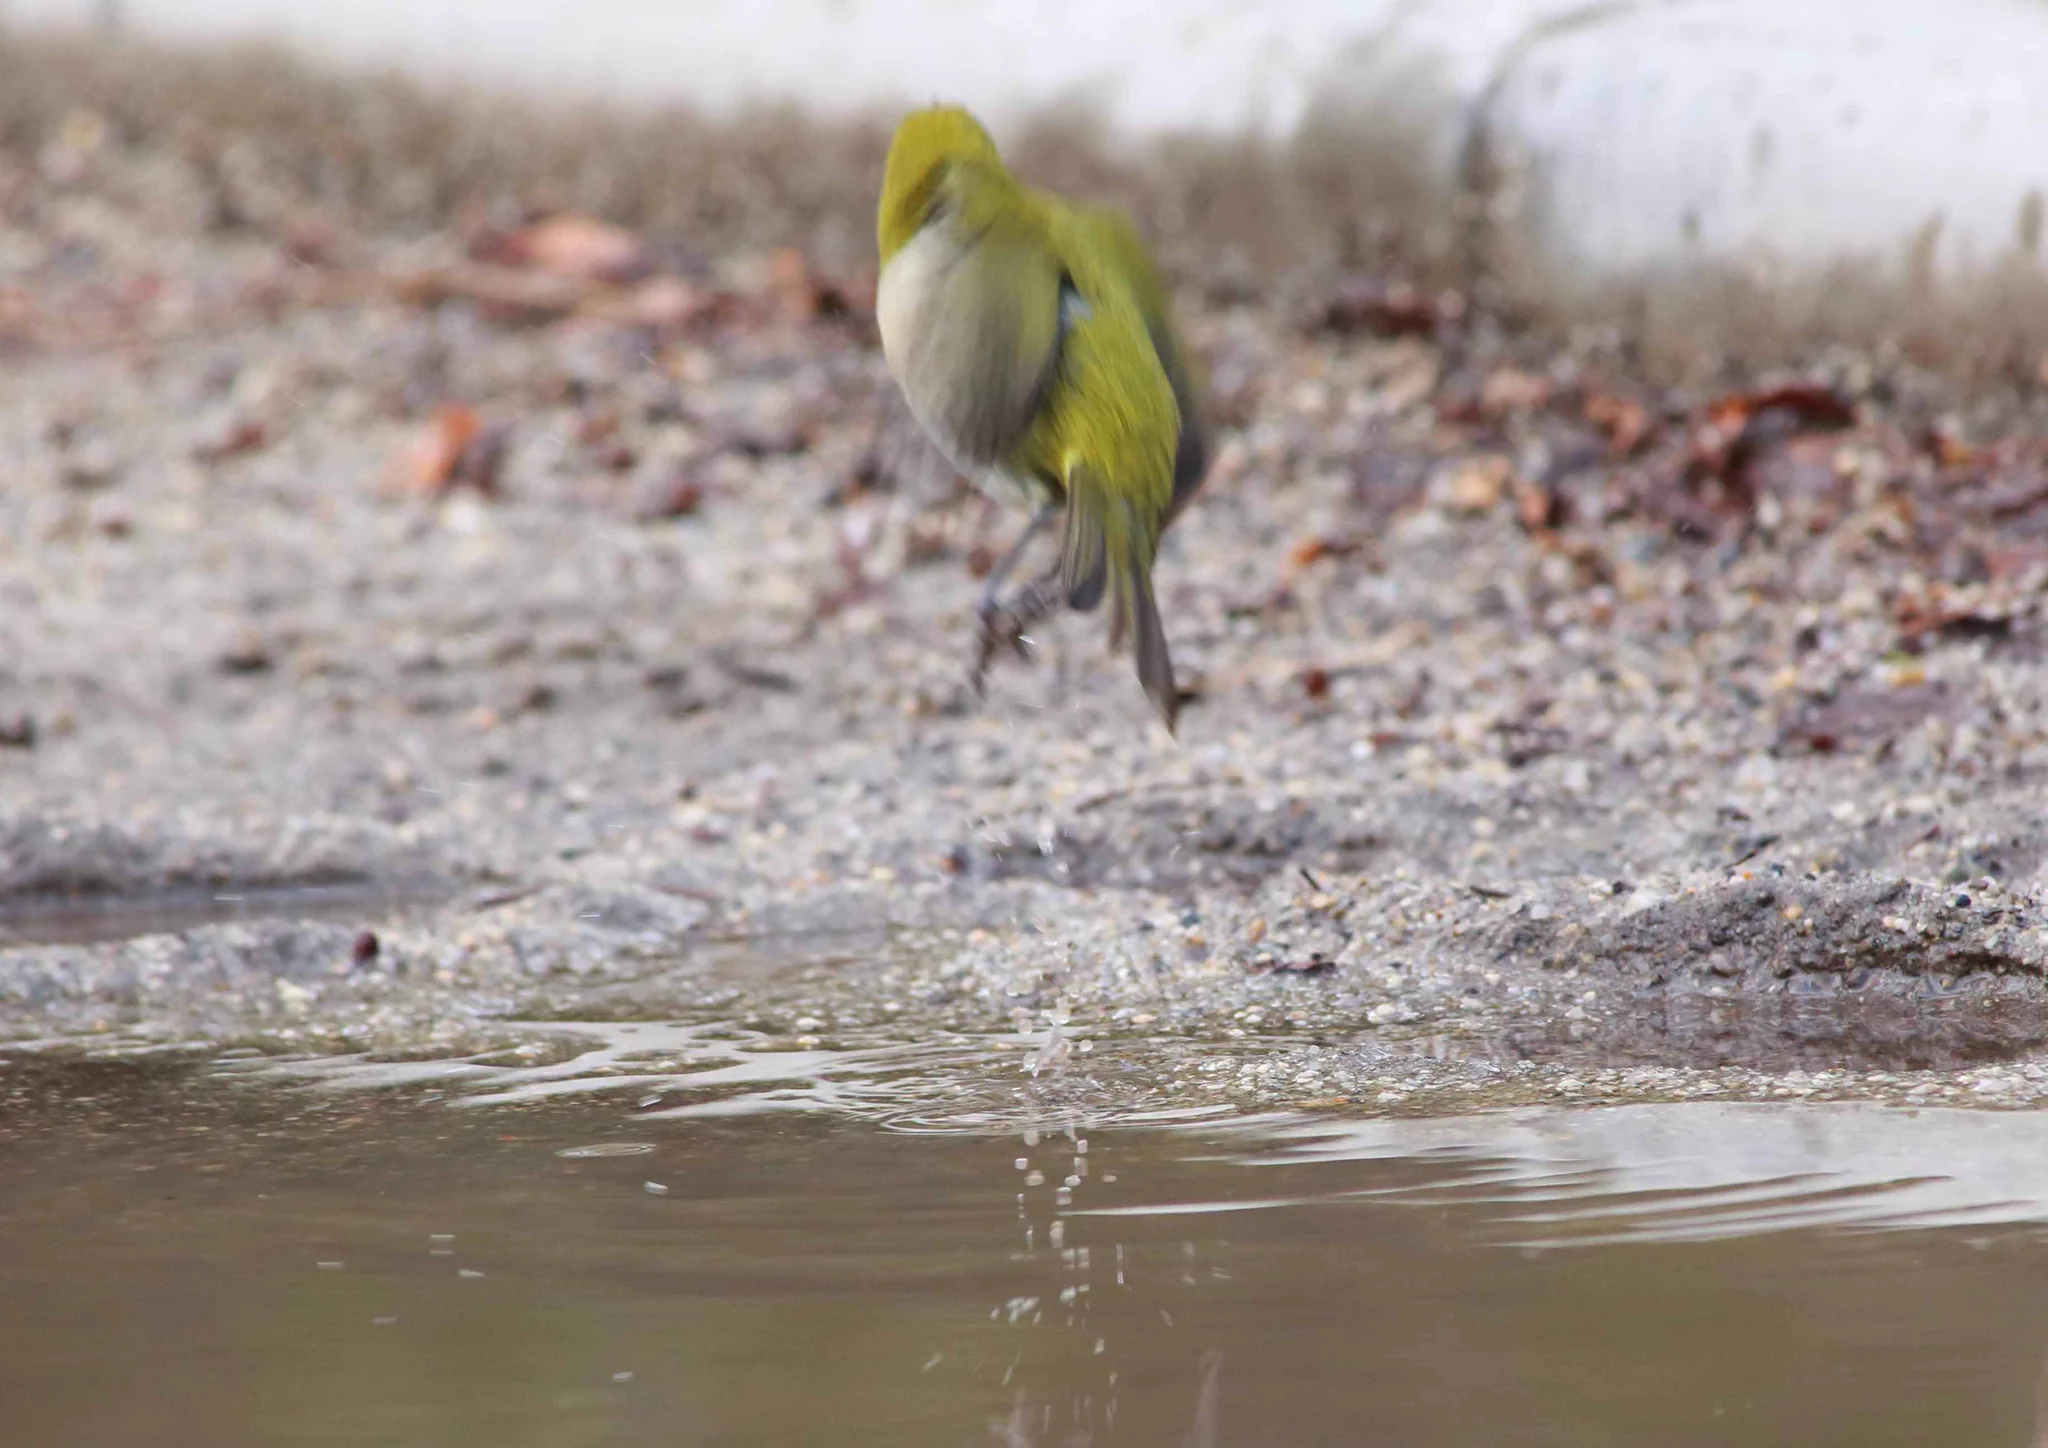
(1357, 190)
(384, 150)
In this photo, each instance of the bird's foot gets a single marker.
(1004, 624)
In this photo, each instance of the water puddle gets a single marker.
(695, 1234)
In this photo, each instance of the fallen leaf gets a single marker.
(1812, 405)
(802, 293)
(1948, 450)
(1714, 488)
(1477, 485)
(569, 245)
(502, 292)
(453, 449)
(429, 464)
(1731, 427)
(1920, 618)
(1397, 311)
(1588, 561)
(1625, 421)
(1538, 507)
(238, 436)
(1320, 546)
(675, 494)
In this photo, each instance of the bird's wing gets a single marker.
(1110, 434)
(1119, 241)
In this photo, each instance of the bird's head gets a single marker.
(925, 144)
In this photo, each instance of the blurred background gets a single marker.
(1908, 137)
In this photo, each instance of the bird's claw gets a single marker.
(999, 628)
(1004, 624)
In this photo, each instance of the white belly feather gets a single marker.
(907, 287)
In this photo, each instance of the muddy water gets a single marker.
(801, 1248)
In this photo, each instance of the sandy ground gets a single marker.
(407, 630)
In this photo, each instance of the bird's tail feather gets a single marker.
(1107, 551)
(1084, 557)
(1155, 664)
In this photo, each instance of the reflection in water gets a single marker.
(258, 1264)
(1208, 1404)
(1701, 1170)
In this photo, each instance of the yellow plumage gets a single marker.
(1032, 341)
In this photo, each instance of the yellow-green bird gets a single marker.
(1032, 341)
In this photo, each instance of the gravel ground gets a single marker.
(410, 628)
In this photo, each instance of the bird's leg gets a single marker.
(1008, 623)
(991, 602)
(1004, 621)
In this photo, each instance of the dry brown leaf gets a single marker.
(1625, 421)
(1538, 507)
(1948, 450)
(1480, 483)
(801, 292)
(581, 248)
(1315, 549)
(507, 292)
(1728, 428)
(678, 493)
(454, 447)
(1921, 616)
(1397, 311)
(237, 436)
